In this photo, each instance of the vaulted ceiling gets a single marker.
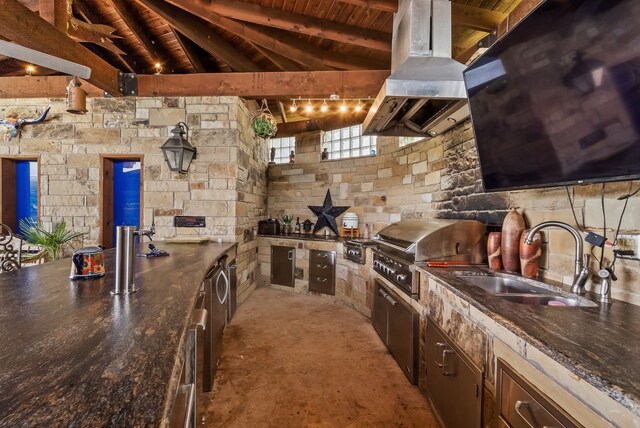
(273, 39)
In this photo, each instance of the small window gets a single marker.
(19, 197)
(348, 143)
(283, 147)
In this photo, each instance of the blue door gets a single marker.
(26, 191)
(126, 194)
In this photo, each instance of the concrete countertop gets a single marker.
(599, 344)
(71, 354)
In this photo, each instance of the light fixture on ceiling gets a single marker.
(29, 69)
(324, 107)
(308, 108)
(326, 104)
(343, 107)
(293, 107)
(358, 107)
(177, 151)
(158, 68)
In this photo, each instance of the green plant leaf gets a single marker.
(51, 242)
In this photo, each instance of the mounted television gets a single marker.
(557, 100)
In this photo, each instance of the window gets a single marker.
(283, 148)
(405, 141)
(121, 196)
(19, 199)
(348, 143)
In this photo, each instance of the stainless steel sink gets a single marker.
(523, 292)
(498, 284)
(535, 299)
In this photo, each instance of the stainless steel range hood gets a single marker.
(425, 94)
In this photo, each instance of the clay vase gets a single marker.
(512, 228)
(494, 250)
(530, 254)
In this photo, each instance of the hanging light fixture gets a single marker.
(177, 151)
(308, 107)
(324, 106)
(293, 107)
(358, 107)
(29, 69)
(343, 107)
(76, 97)
(158, 68)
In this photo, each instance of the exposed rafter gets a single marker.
(383, 5)
(297, 23)
(55, 12)
(475, 17)
(200, 33)
(19, 24)
(189, 51)
(283, 44)
(124, 11)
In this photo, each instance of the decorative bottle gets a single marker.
(297, 228)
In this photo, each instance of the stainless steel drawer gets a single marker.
(322, 257)
(522, 406)
(322, 272)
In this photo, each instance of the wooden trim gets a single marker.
(24, 27)
(105, 235)
(8, 192)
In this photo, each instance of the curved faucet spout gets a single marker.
(581, 273)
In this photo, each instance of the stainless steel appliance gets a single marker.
(216, 292)
(355, 250)
(232, 301)
(425, 93)
(406, 244)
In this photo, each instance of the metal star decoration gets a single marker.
(327, 214)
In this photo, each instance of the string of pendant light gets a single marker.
(343, 107)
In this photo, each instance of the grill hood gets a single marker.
(425, 93)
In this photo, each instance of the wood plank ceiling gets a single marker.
(228, 36)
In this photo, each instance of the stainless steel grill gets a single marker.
(409, 243)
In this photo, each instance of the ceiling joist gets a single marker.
(20, 25)
(383, 5)
(476, 18)
(298, 23)
(189, 51)
(124, 11)
(200, 33)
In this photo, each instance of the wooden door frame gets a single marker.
(106, 159)
(14, 159)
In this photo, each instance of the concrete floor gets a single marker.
(291, 360)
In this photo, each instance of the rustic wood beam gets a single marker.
(283, 111)
(383, 5)
(301, 24)
(476, 18)
(22, 26)
(140, 34)
(326, 123)
(517, 14)
(200, 33)
(283, 44)
(189, 51)
(311, 84)
(55, 12)
(283, 63)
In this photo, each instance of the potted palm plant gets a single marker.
(51, 242)
(286, 220)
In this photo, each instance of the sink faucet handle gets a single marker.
(586, 258)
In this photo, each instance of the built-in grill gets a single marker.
(410, 243)
(354, 250)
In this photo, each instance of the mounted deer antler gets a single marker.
(13, 125)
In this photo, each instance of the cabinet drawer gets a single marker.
(322, 257)
(522, 406)
(320, 269)
(322, 284)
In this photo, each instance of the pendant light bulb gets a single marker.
(293, 107)
(343, 107)
(358, 107)
(324, 107)
(308, 107)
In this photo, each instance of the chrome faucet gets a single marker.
(581, 274)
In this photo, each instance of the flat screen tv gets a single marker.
(556, 101)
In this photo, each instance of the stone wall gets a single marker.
(440, 178)
(226, 182)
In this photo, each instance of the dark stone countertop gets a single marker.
(599, 344)
(71, 354)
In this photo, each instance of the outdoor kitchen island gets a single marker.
(74, 355)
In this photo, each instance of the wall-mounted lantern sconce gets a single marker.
(177, 151)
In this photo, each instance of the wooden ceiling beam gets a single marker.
(326, 123)
(200, 33)
(283, 44)
(55, 12)
(283, 63)
(139, 33)
(383, 5)
(305, 84)
(24, 27)
(476, 18)
(301, 24)
(189, 51)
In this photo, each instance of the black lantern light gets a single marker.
(177, 151)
